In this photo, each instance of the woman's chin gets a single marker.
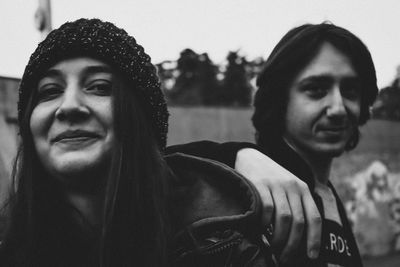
(79, 172)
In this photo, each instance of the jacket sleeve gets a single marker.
(222, 152)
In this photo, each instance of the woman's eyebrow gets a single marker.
(52, 73)
(97, 69)
(90, 70)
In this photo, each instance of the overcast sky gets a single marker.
(166, 27)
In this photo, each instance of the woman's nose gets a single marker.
(72, 106)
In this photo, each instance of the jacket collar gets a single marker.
(206, 196)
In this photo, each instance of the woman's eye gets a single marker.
(49, 92)
(100, 88)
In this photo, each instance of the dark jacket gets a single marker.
(215, 215)
(280, 152)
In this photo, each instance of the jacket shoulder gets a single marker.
(201, 189)
(215, 215)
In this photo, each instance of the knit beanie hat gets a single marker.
(106, 42)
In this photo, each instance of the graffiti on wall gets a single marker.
(374, 209)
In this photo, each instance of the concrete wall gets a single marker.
(8, 130)
(218, 124)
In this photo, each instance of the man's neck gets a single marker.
(319, 164)
(320, 168)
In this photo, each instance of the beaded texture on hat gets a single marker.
(104, 41)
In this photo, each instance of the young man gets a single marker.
(314, 92)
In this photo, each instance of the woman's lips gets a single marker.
(75, 139)
(75, 136)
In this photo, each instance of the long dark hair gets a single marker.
(292, 53)
(45, 230)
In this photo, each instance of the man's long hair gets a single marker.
(45, 230)
(292, 54)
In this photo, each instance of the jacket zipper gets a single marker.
(223, 247)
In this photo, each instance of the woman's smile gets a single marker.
(76, 138)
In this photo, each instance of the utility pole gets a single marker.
(43, 18)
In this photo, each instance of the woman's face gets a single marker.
(72, 121)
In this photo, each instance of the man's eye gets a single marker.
(49, 92)
(315, 90)
(100, 88)
(350, 91)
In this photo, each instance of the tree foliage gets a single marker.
(387, 105)
(236, 89)
(195, 80)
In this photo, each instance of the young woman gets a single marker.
(91, 185)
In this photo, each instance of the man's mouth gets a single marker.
(333, 129)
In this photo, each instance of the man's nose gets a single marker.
(335, 104)
(72, 106)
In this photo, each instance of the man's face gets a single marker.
(323, 105)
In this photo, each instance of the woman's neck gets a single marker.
(90, 206)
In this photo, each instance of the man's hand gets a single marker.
(285, 197)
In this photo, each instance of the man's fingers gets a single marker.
(296, 229)
(283, 219)
(314, 225)
(273, 181)
(267, 204)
